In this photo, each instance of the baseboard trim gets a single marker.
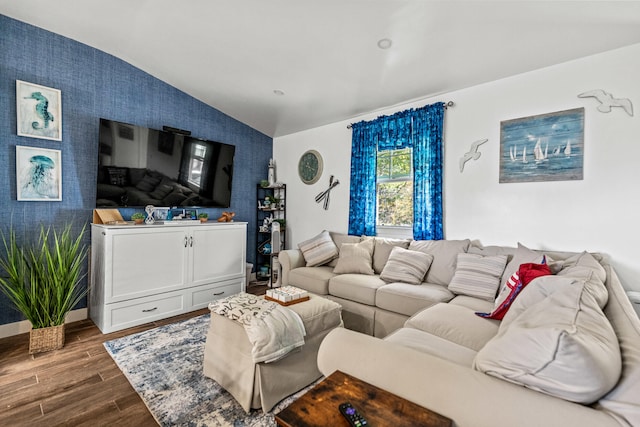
(17, 328)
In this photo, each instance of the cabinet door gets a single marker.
(218, 253)
(146, 263)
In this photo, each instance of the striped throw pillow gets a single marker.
(406, 266)
(478, 276)
(318, 250)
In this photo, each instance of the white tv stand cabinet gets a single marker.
(142, 273)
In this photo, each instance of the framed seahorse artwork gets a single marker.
(39, 111)
(38, 174)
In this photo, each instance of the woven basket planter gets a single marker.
(46, 339)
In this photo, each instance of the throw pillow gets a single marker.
(355, 258)
(563, 346)
(382, 250)
(521, 256)
(118, 176)
(478, 276)
(514, 286)
(445, 254)
(406, 266)
(148, 183)
(339, 239)
(161, 191)
(318, 250)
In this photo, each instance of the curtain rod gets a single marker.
(446, 105)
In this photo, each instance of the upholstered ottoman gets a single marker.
(228, 359)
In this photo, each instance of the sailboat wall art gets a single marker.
(547, 147)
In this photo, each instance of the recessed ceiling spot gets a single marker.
(384, 43)
(278, 92)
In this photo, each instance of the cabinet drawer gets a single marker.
(136, 312)
(203, 295)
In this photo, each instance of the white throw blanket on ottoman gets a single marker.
(272, 329)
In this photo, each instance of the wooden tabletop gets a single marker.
(319, 406)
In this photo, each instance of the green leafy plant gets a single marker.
(42, 278)
(203, 215)
(137, 215)
(272, 200)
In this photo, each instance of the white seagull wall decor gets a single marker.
(607, 101)
(473, 153)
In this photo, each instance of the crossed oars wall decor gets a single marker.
(325, 194)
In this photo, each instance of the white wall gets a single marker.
(598, 213)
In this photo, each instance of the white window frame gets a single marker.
(393, 231)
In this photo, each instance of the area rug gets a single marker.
(164, 366)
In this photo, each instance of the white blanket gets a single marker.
(273, 330)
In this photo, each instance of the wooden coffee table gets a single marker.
(319, 406)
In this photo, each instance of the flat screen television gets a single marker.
(138, 166)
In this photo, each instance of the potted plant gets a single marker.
(42, 280)
(273, 201)
(203, 216)
(138, 217)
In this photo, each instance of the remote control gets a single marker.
(353, 416)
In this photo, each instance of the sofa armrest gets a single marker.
(290, 259)
(470, 398)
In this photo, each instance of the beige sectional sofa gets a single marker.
(567, 353)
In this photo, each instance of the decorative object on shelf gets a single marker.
(137, 217)
(42, 280)
(607, 101)
(270, 229)
(149, 210)
(161, 214)
(325, 194)
(203, 217)
(38, 111)
(310, 167)
(472, 154)
(38, 174)
(272, 173)
(226, 217)
(264, 183)
(547, 147)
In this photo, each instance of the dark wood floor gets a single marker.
(75, 386)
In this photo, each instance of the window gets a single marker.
(196, 162)
(394, 192)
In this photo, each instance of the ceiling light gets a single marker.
(278, 92)
(384, 43)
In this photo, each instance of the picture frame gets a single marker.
(38, 111)
(38, 174)
(546, 147)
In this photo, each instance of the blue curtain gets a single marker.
(427, 172)
(420, 129)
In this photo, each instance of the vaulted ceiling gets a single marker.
(282, 66)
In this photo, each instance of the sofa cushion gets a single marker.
(406, 266)
(355, 258)
(562, 345)
(432, 344)
(312, 279)
(319, 249)
(409, 299)
(382, 250)
(455, 323)
(585, 267)
(356, 287)
(472, 303)
(161, 191)
(478, 276)
(445, 254)
(339, 239)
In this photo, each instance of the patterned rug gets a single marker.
(164, 365)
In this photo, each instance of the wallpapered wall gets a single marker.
(94, 85)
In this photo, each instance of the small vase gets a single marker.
(138, 221)
(203, 220)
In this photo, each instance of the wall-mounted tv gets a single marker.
(138, 166)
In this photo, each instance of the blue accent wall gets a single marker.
(95, 84)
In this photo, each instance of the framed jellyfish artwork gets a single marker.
(39, 111)
(38, 174)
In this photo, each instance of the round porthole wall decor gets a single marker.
(310, 167)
